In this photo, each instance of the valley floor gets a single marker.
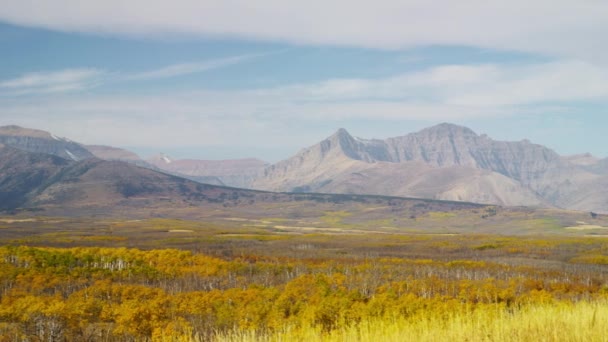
(77, 280)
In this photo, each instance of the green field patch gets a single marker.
(596, 259)
(387, 223)
(257, 237)
(539, 224)
(487, 246)
(269, 220)
(103, 238)
(586, 227)
(336, 218)
(441, 215)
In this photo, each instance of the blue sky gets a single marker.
(220, 80)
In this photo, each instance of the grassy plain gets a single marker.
(338, 274)
(582, 321)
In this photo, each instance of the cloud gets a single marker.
(267, 115)
(189, 68)
(70, 80)
(444, 92)
(564, 28)
(52, 82)
(557, 82)
(479, 86)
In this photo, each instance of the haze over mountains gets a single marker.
(239, 173)
(446, 162)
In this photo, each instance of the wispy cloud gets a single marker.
(190, 68)
(53, 82)
(564, 28)
(479, 86)
(70, 80)
(228, 117)
(448, 92)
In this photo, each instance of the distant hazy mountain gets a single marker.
(238, 173)
(41, 170)
(112, 153)
(444, 162)
(38, 141)
(95, 186)
(56, 186)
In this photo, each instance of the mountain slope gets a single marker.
(43, 181)
(99, 188)
(42, 142)
(443, 162)
(112, 153)
(22, 174)
(446, 161)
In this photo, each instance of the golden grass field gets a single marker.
(322, 278)
(554, 322)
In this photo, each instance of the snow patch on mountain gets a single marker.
(71, 155)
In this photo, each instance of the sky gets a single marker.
(220, 79)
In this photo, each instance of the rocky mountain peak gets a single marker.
(342, 132)
(355, 148)
(452, 151)
(447, 130)
(341, 138)
(440, 146)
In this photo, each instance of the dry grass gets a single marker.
(582, 321)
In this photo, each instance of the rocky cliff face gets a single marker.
(443, 145)
(448, 145)
(444, 162)
(42, 142)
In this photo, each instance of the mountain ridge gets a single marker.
(444, 162)
(465, 166)
(42, 184)
(42, 142)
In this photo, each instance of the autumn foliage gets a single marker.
(120, 294)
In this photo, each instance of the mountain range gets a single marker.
(444, 162)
